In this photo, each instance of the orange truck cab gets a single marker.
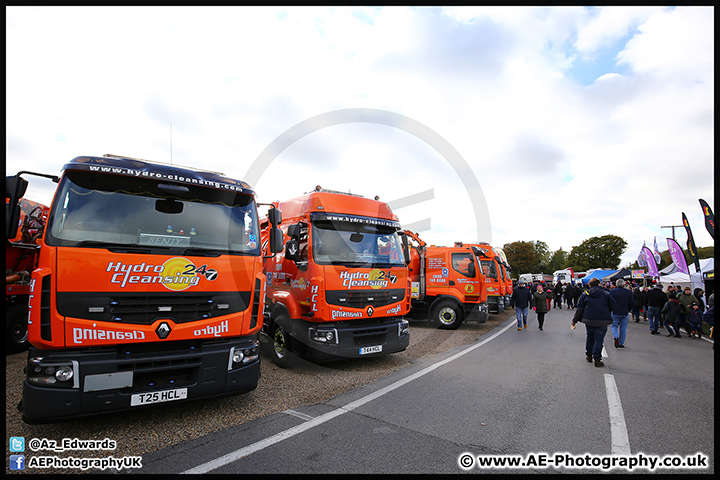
(149, 289)
(508, 284)
(497, 277)
(448, 286)
(340, 289)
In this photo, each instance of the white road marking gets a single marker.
(618, 431)
(298, 414)
(291, 432)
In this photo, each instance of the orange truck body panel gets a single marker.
(140, 312)
(336, 286)
(440, 275)
(497, 277)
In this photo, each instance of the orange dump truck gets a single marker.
(21, 255)
(149, 289)
(448, 286)
(340, 289)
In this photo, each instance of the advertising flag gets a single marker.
(678, 257)
(692, 249)
(656, 251)
(709, 217)
(641, 257)
(650, 260)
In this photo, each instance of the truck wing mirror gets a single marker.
(15, 188)
(276, 240)
(275, 216)
(294, 231)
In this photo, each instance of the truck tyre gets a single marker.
(16, 328)
(280, 348)
(446, 315)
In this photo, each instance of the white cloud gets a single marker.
(557, 161)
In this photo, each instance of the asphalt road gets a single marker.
(527, 395)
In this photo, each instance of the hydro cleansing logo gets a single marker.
(382, 117)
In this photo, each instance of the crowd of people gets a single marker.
(599, 305)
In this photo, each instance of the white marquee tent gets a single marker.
(694, 280)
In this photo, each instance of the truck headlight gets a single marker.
(404, 328)
(49, 373)
(323, 335)
(63, 374)
(240, 356)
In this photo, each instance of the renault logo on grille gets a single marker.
(163, 330)
(370, 310)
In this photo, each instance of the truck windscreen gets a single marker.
(106, 211)
(358, 245)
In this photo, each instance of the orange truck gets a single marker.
(448, 286)
(340, 289)
(497, 276)
(149, 289)
(21, 255)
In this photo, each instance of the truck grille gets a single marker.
(363, 298)
(146, 309)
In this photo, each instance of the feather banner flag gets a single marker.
(692, 249)
(650, 260)
(709, 217)
(656, 251)
(678, 257)
(641, 256)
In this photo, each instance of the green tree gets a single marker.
(543, 255)
(597, 252)
(558, 260)
(521, 256)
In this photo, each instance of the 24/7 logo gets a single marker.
(175, 274)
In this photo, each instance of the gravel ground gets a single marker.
(140, 432)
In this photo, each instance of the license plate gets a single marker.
(373, 349)
(158, 397)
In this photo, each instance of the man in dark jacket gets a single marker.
(521, 301)
(558, 292)
(656, 300)
(621, 313)
(595, 310)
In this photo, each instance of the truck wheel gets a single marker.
(16, 328)
(446, 315)
(280, 348)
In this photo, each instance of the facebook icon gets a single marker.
(17, 462)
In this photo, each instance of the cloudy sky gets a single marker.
(496, 124)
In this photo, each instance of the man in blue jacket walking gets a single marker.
(624, 301)
(522, 302)
(594, 310)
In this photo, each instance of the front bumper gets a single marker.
(105, 380)
(350, 339)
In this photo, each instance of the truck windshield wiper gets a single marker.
(113, 247)
(205, 252)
